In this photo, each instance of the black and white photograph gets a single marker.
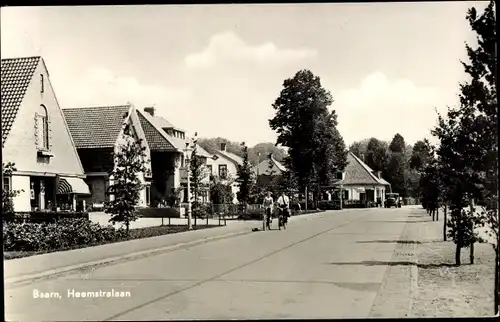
(250, 161)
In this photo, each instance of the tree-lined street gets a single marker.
(327, 265)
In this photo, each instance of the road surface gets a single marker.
(313, 269)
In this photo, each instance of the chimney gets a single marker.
(150, 110)
(223, 146)
(379, 174)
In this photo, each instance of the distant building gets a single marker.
(36, 138)
(268, 169)
(225, 166)
(360, 182)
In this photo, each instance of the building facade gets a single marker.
(35, 137)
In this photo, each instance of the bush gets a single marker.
(329, 205)
(48, 216)
(65, 233)
(152, 212)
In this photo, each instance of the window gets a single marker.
(148, 195)
(223, 171)
(43, 128)
(7, 184)
(41, 83)
(346, 195)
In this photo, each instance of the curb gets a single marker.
(20, 280)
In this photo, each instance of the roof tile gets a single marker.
(95, 127)
(156, 141)
(16, 74)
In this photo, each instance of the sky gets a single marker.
(217, 69)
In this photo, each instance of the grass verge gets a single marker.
(138, 233)
(455, 291)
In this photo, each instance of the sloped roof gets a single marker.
(16, 75)
(157, 139)
(231, 156)
(358, 173)
(264, 168)
(95, 127)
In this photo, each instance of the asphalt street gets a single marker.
(314, 269)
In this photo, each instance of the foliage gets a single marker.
(129, 161)
(256, 154)
(173, 199)
(65, 233)
(306, 126)
(198, 173)
(8, 195)
(421, 155)
(469, 148)
(245, 178)
(221, 191)
(48, 216)
(377, 155)
(398, 167)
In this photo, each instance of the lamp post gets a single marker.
(188, 193)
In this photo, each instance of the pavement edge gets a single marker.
(19, 280)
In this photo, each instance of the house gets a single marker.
(36, 138)
(178, 138)
(96, 131)
(225, 166)
(268, 169)
(360, 182)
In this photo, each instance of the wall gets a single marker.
(98, 186)
(20, 146)
(231, 170)
(22, 202)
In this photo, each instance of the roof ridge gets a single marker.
(24, 57)
(365, 167)
(95, 107)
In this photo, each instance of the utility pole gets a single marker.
(188, 193)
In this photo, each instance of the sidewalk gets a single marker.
(443, 288)
(39, 266)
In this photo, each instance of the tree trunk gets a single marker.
(444, 224)
(496, 295)
(471, 255)
(433, 211)
(457, 255)
(437, 213)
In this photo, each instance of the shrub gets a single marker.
(48, 216)
(65, 233)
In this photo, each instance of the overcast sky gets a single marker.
(217, 69)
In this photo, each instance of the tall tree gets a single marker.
(198, 173)
(244, 178)
(421, 155)
(397, 169)
(377, 155)
(306, 126)
(359, 148)
(129, 161)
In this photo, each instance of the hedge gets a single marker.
(66, 233)
(47, 216)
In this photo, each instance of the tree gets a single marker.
(244, 178)
(359, 148)
(421, 155)
(129, 161)
(397, 169)
(198, 174)
(306, 126)
(377, 155)
(8, 195)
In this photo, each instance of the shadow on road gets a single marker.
(401, 221)
(385, 263)
(397, 241)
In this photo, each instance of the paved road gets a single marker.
(311, 270)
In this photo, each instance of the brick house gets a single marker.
(96, 131)
(36, 138)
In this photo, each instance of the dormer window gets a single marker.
(41, 83)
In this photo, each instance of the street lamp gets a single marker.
(187, 164)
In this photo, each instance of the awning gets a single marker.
(72, 185)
